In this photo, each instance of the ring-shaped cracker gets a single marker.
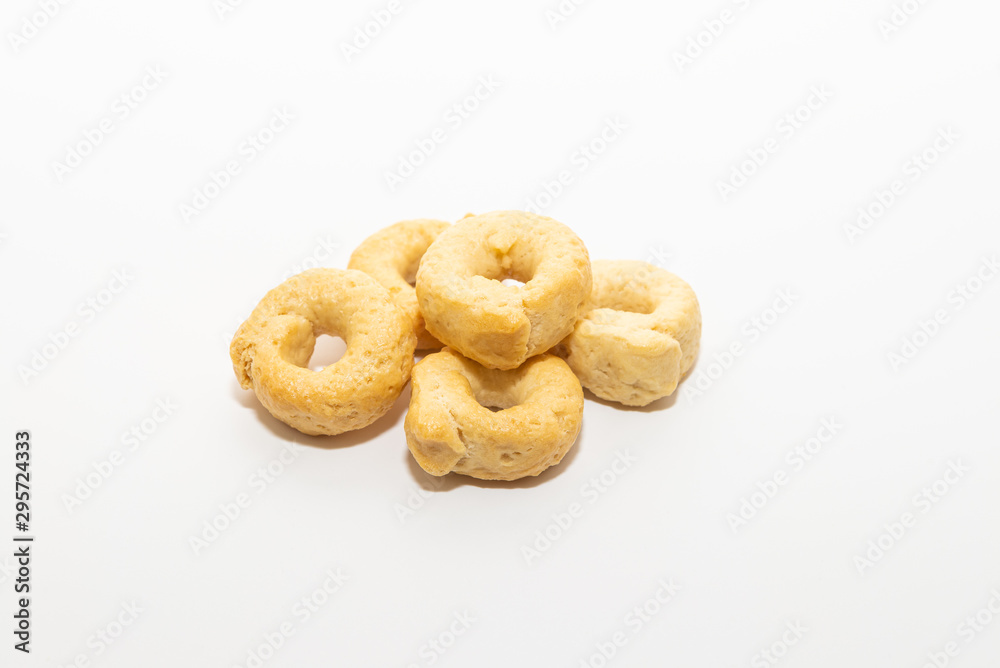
(272, 348)
(450, 426)
(391, 256)
(639, 336)
(467, 307)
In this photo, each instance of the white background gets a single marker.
(652, 194)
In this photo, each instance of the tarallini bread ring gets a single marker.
(272, 348)
(391, 256)
(639, 336)
(450, 426)
(467, 307)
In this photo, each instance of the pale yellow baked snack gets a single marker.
(639, 336)
(272, 348)
(450, 426)
(391, 256)
(467, 307)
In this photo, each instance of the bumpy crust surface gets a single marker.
(466, 306)
(448, 428)
(391, 256)
(270, 351)
(639, 336)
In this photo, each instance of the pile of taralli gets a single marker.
(502, 398)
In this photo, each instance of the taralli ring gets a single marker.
(467, 307)
(450, 426)
(391, 256)
(639, 336)
(272, 348)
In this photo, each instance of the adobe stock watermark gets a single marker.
(86, 312)
(777, 650)
(131, 439)
(440, 643)
(76, 152)
(230, 511)
(659, 256)
(323, 252)
(228, 335)
(711, 30)
(223, 8)
(899, 16)
(913, 169)
(105, 637)
(922, 502)
(561, 12)
(967, 630)
(585, 155)
(785, 130)
(32, 24)
(926, 329)
(656, 256)
(634, 622)
(795, 460)
(365, 34)
(301, 612)
(7, 569)
(248, 150)
(709, 372)
(590, 491)
(453, 119)
(417, 497)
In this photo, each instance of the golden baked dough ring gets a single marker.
(391, 256)
(272, 348)
(466, 306)
(449, 427)
(639, 336)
